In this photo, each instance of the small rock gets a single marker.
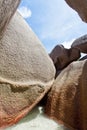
(81, 43)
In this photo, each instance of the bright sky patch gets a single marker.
(25, 12)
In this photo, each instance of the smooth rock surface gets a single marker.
(7, 9)
(81, 43)
(62, 57)
(80, 6)
(26, 71)
(67, 100)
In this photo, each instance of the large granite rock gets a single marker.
(81, 43)
(67, 100)
(26, 71)
(80, 6)
(62, 57)
(7, 9)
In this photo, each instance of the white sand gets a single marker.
(36, 120)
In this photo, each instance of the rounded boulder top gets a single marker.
(23, 58)
(26, 71)
(7, 9)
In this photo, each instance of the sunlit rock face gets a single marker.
(7, 9)
(26, 71)
(80, 6)
(67, 100)
(62, 57)
(81, 43)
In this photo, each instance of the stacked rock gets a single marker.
(67, 100)
(62, 57)
(27, 73)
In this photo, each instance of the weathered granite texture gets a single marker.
(62, 57)
(67, 100)
(26, 71)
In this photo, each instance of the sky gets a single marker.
(53, 21)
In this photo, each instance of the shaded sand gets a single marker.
(36, 120)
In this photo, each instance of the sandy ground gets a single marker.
(36, 120)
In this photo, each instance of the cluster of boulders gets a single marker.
(62, 57)
(80, 6)
(28, 73)
(67, 100)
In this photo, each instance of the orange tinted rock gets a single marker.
(80, 6)
(67, 100)
(81, 43)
